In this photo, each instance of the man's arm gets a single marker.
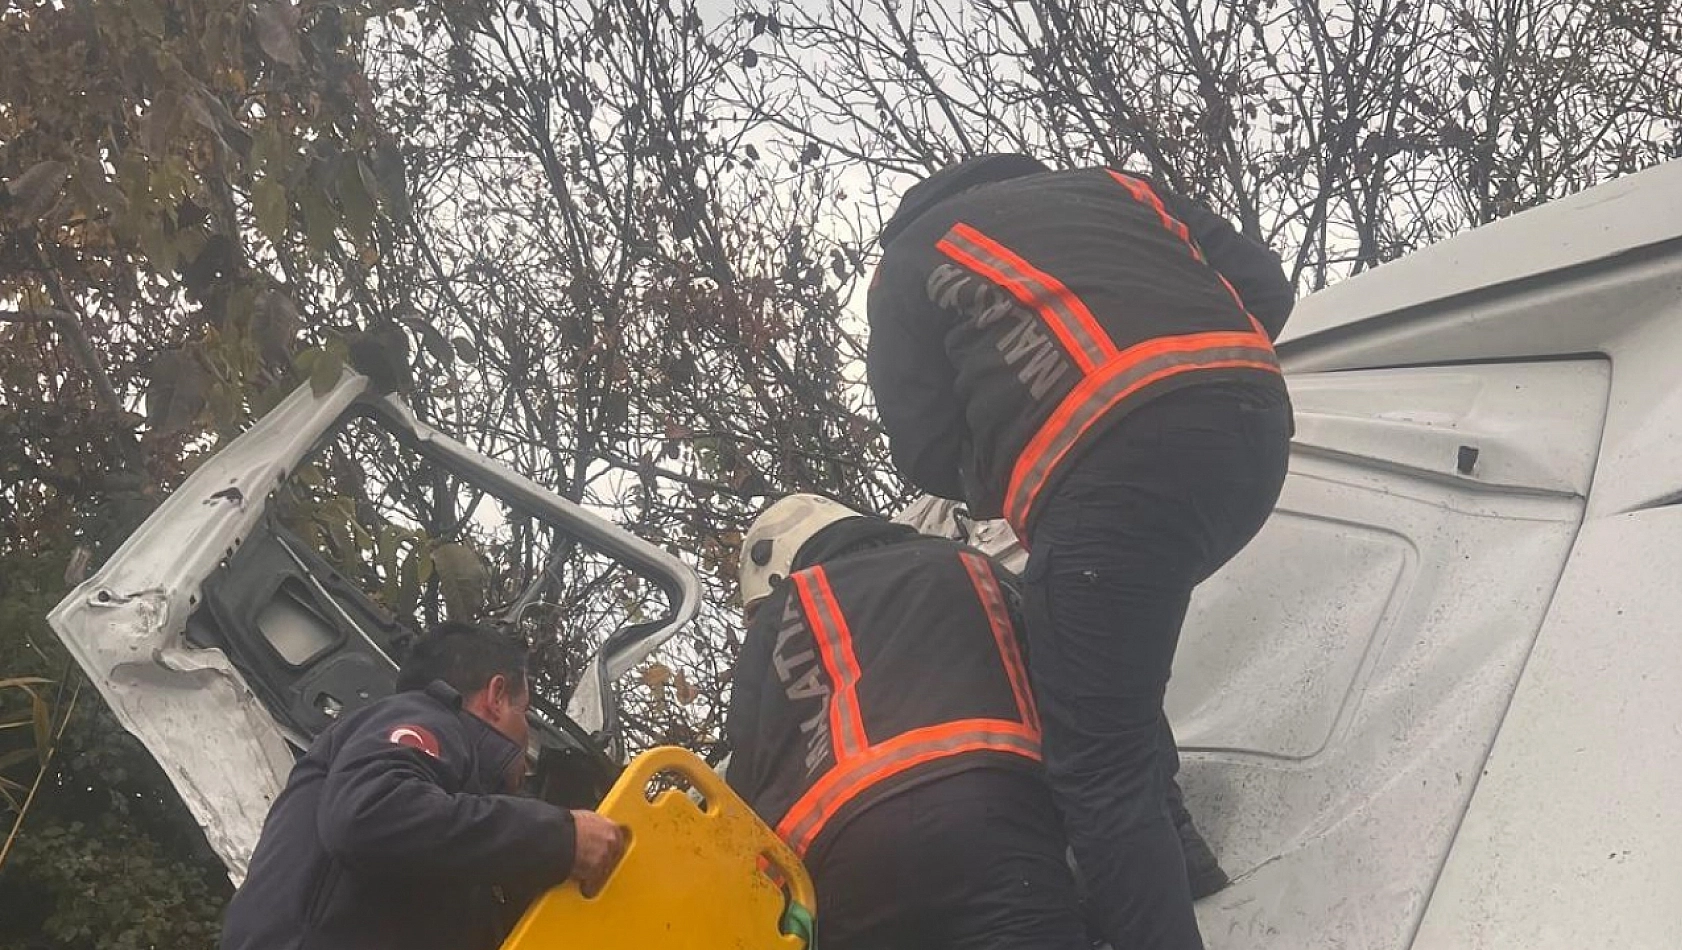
(384, 809)
(1249, 266)
(912, 380)
(747, 692)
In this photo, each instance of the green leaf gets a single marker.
(159, 247)
(157, 129)
(176, 392)
(277, 31)
(320, 218)
(462, 578)
(393, 185)
(465, 350)
(225, 403)
(409, 582)
(355, 199)
(149, 15)
(385, 558)
(329, 366)
(343, 543)
(269, 150)
(304, 362)
(134, 178)
(436, 344)
(225, 124)
(99, 188)
(265, 400)
(34, 190)
(423, 565)
(196, 105)
(268, 202)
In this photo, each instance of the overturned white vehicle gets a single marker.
(1436, 704)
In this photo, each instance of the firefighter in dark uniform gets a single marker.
(398, 830)
(1089, 356)
(880, 719)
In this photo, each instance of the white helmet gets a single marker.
(769, 549)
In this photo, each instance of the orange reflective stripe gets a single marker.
(1136, 368)
(1144, 193)
(835, 646)
(1004, 634)
(842, 784)
(1074, 325)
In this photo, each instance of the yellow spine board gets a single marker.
(691, 879)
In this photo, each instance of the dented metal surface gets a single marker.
(125, 626)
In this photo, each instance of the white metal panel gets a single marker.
(1626, 308)
(1582, 310)
(1575, 836)
(1641, 459)
(1616, 218)
(125, 627)
(1508, 416)
(1339, 684)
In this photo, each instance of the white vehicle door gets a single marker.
(224, 637)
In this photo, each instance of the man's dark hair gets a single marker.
(464, 655)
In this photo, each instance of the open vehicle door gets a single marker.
(277, 588)
(1436, 703)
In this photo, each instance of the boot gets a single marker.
(1203, 869)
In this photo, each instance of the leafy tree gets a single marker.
(647, 309)
(1346, 133)
(194, 191)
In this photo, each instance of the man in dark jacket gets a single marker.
(398, 829)
(880, 719)
(1090, 356)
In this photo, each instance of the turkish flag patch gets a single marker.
(415, 737)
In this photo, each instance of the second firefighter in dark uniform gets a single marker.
(881, 720)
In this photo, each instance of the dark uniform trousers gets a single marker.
(1158, 502)
(972, 861)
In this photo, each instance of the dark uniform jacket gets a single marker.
(392, 833)
(1012, 322)
(886, 660)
